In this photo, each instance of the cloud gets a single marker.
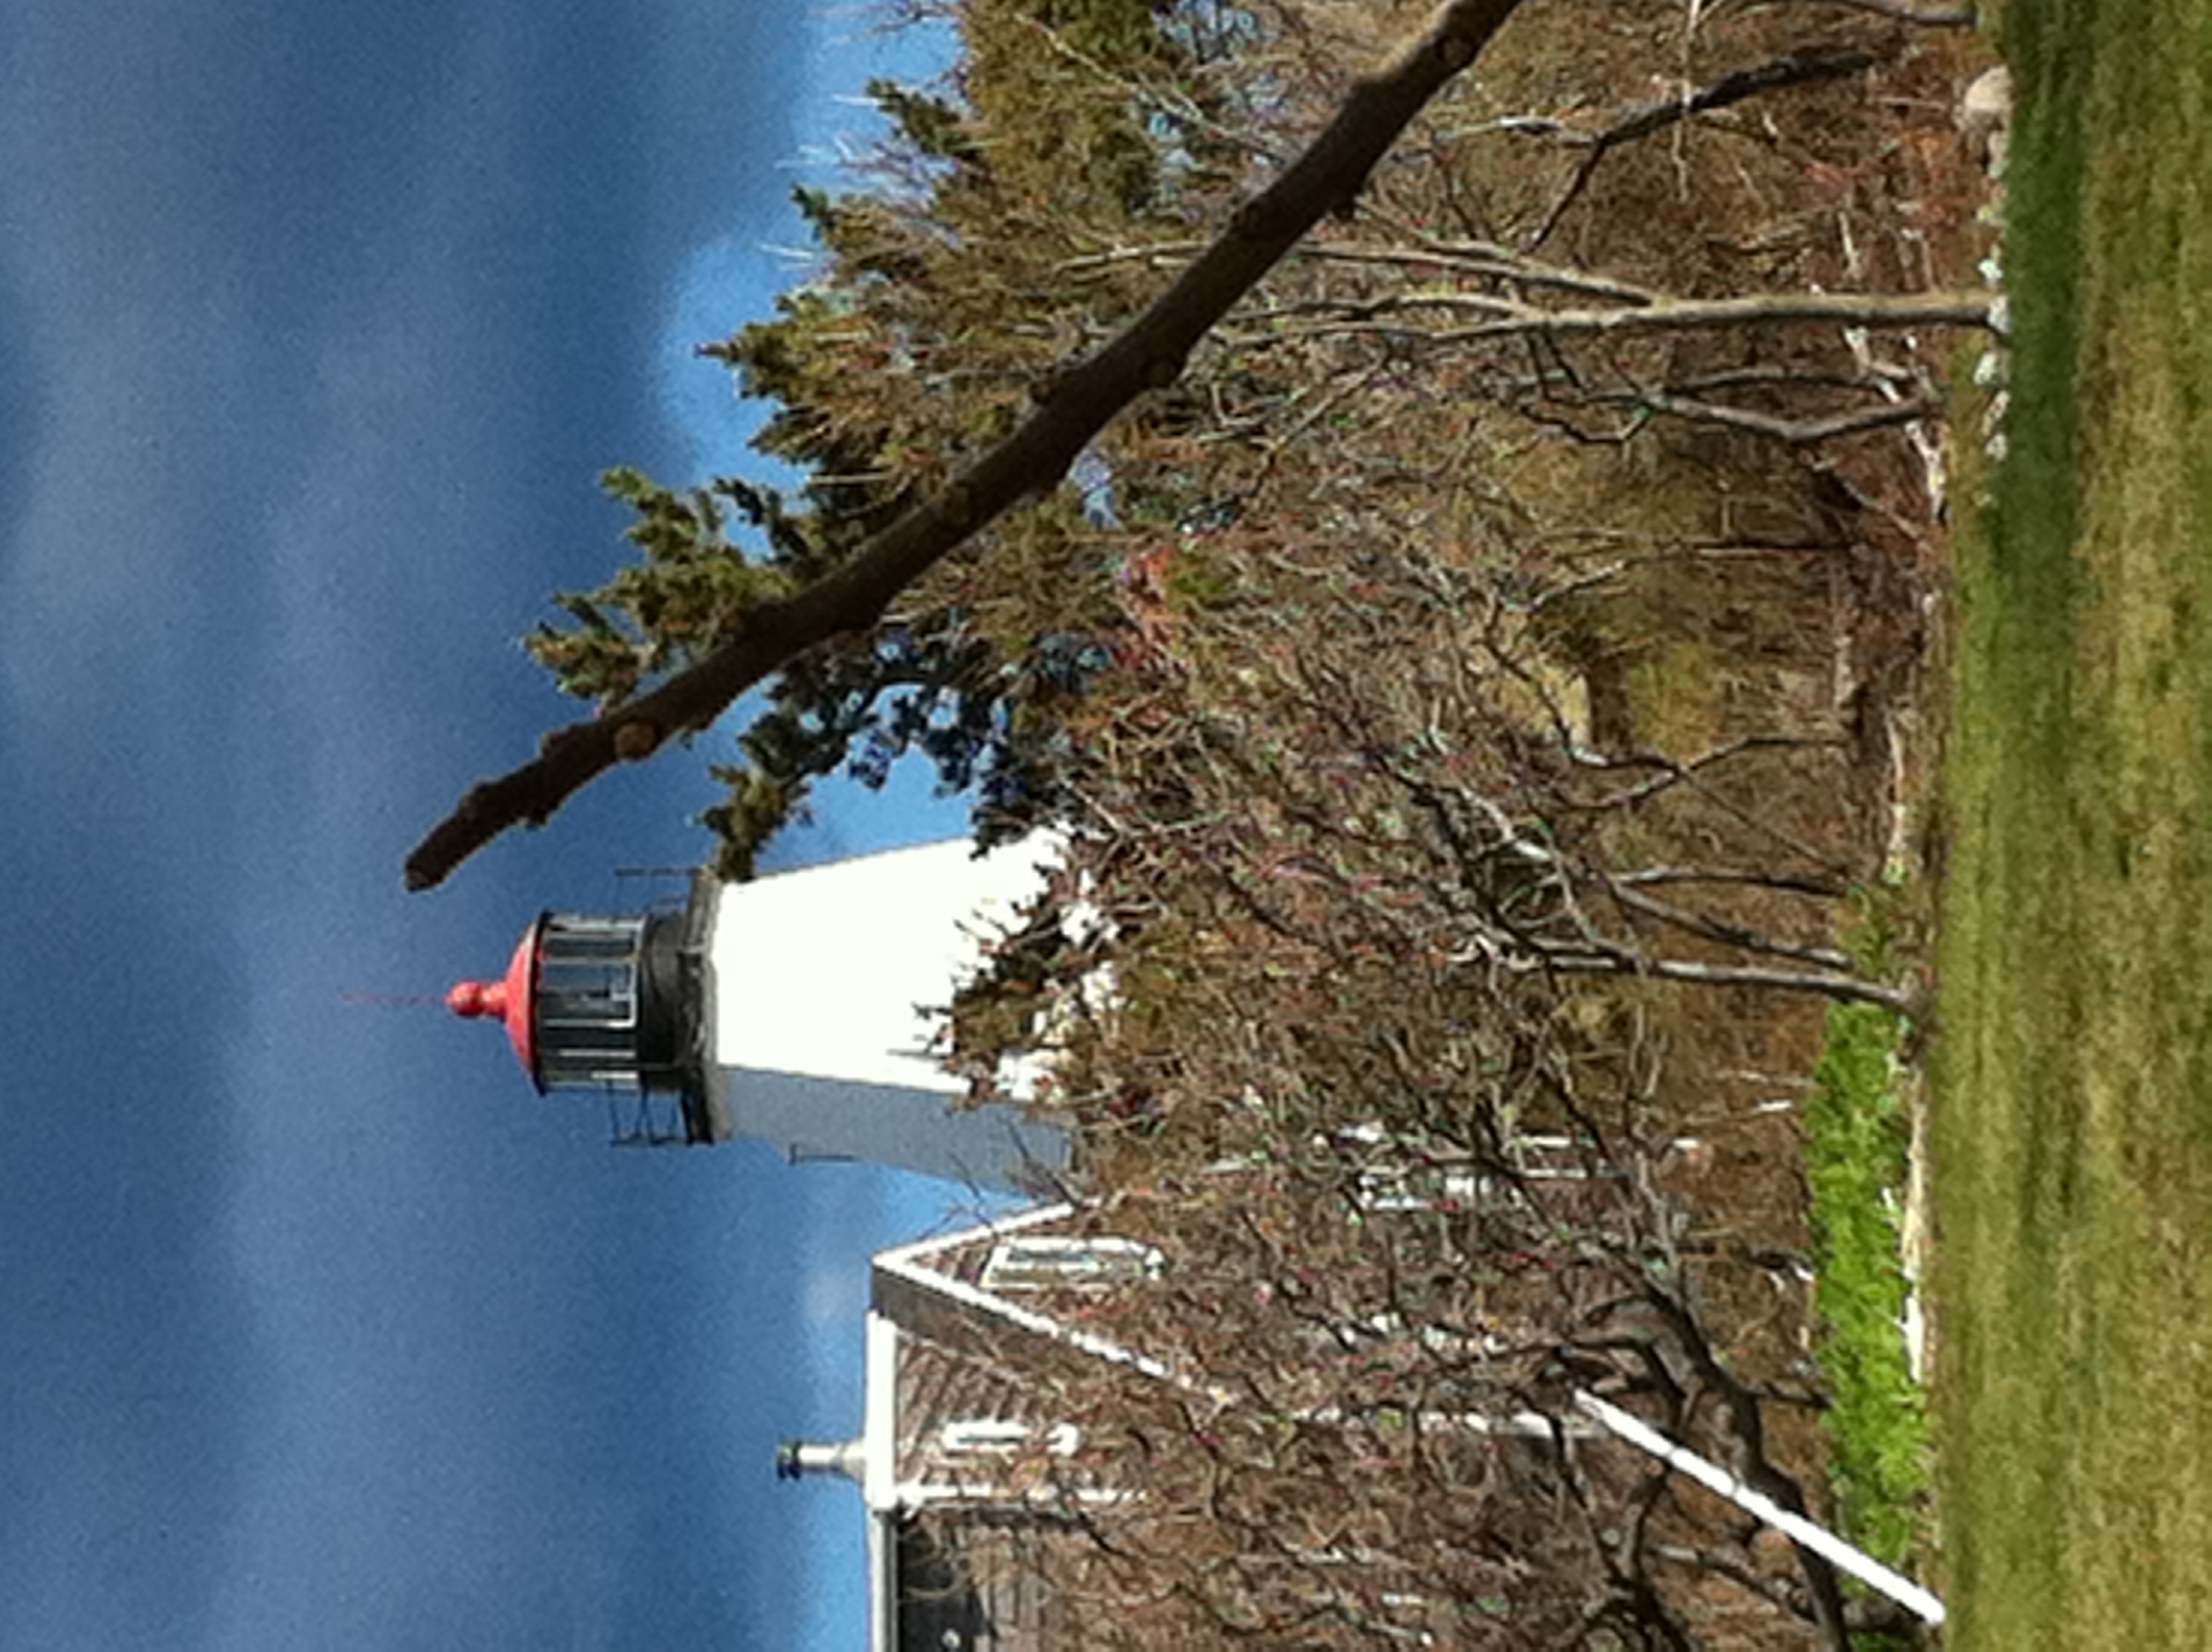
(319, 322)
(474, 222)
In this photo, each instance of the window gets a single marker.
(587, 971)
(1058, 1261)
(997, 1435)
(1421, 1188)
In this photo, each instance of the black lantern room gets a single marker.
(614, 1005)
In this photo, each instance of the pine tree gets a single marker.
(947, 289)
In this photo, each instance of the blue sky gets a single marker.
(316, 1327)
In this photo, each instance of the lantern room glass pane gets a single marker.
(587, 988)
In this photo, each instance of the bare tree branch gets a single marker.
(1795, 69)
(1964, 16)
(1474, 257)
(1796, 432)
(1841, 989)
(1074, 407)
(1717, 929)
(1826, 889)
(1510, 319)
(1793, 433)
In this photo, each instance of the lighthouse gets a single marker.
(795, 1009)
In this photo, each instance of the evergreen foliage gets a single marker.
(942, 294)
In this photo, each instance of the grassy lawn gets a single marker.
(2073, 1123)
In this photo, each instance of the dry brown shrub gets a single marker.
(1459, 696)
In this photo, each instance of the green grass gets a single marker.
(1857, 1140)
(2072, 1128)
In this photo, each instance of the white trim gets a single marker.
(1798, 1529)
(906, 1263)
(879, 1427)
(1034, 1217)
(984, 1301)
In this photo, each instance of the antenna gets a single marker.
(658, 875)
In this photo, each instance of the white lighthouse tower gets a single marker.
(791, 1009)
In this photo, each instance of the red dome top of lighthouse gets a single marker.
(511, 1000)
(610, 1005)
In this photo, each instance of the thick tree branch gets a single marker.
(1073, 408)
